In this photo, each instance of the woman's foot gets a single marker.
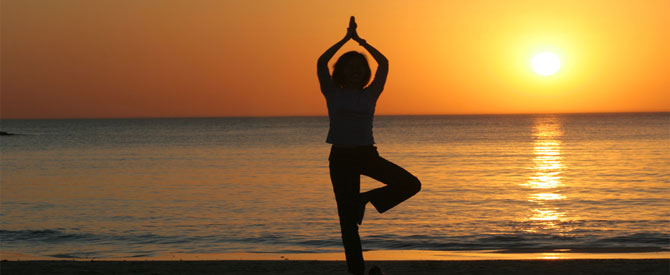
(375, 270)
(361, 209)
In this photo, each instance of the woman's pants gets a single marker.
(346, 166)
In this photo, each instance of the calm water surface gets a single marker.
(136, 187)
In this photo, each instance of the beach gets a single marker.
(612, 266)
(417, 262)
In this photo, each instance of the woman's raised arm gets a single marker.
(382, 68)
(383, 63)
(322, 64)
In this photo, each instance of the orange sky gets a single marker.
(123, 58)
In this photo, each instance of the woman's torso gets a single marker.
(351, 114)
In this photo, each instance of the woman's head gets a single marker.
(352, 70)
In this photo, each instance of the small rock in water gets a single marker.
(3, 133)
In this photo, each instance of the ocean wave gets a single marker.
(43, 235)
(60, 235)
(515, 241)
(636, 239)
(653, 241)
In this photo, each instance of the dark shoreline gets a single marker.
(600, 266)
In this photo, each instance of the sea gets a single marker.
(109, 188)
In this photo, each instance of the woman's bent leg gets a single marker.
(400, 184)
(346, 184)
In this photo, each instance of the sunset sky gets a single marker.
(169, 58)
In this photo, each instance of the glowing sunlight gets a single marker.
(546, 63)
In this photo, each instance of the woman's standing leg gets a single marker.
(346, 180)
(400, 184)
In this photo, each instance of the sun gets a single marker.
(546, 63)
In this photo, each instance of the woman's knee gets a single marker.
(413, 185)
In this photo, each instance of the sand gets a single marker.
(393, 262)
(600, 266)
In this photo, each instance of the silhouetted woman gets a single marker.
(351, 108)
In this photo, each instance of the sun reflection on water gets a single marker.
(547, 169)
(546, 197)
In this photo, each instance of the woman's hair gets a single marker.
(340, 78)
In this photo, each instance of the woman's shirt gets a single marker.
(351, 113)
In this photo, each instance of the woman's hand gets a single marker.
(351, 31)
(352, 24)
